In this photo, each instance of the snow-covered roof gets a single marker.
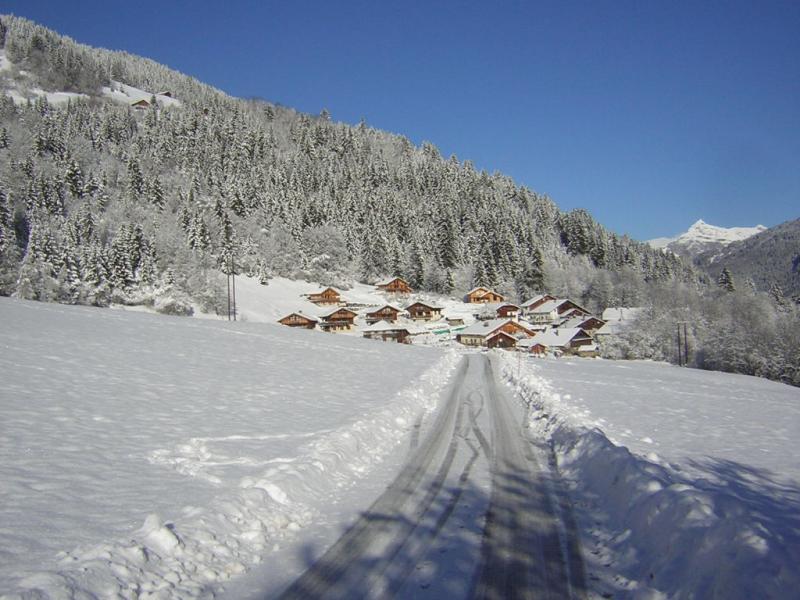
(558, 338)
(496, 305)
(535, 299)
(385, 326)
(328, 313)
(374, 310)
(484, 328)
(547, 307)
(577, 321)
(425, 304)
(390, 280)
(478, 289)
(301, 314)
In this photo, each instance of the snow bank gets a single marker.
(208, 545)
(649, 532)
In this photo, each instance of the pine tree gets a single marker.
(725, 280)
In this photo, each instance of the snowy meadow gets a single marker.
(143, 454)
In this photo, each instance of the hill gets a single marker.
(144, 202)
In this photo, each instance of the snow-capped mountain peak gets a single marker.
(702, 236)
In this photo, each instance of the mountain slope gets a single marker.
(769, 258)
(102, 202)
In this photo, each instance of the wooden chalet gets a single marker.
(421, 311)
(298, 319)
(559, 341)
(326, 297)
(554, 311)
(501, 339)
(496, 310)
(482, 295)
(387, 312)
(396, 285)
(388, 332)
(478, 333)
(589, 324)
(166, 93)
(506, 310)
(338, 319)
(141, 104)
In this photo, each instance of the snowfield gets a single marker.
(686, 483)
(143, 455)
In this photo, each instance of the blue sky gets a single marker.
(651, 115)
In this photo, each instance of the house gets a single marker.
(140, 104)
(328, 296)
(338, 319)
(497, 310)
(589, 324)
(538, 300)
(396, 285)
(455, 321)
(482, 295)
(566, 341)
(478, 333)
(501, 339)
(298, 319)
(387, 312)
(552, 311)
(421, 311)
(167, 93)
(388, 332)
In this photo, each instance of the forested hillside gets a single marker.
(103, 202)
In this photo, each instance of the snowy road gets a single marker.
(475, 512)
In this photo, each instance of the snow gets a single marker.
(156, 456)
(127, 94)
(686, 482)
(701, 234)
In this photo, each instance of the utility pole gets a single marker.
(231, 288)
(683, 333)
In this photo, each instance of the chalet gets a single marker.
(482, 295)
(338, 319)
(501, 339)
(421, 311)
(497, 310)
(553, 311)
(328, 296)
(140, 104)
(396, 285)
(617, 319)
(455, 321)
(388, 332)
(298, 319)
(387, 312)
(558, 341)
(478, 333)
(538, 300)
(166, 93)
(589, 324)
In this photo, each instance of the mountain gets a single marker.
(124, 181)
(769, 258)
(702, 237)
